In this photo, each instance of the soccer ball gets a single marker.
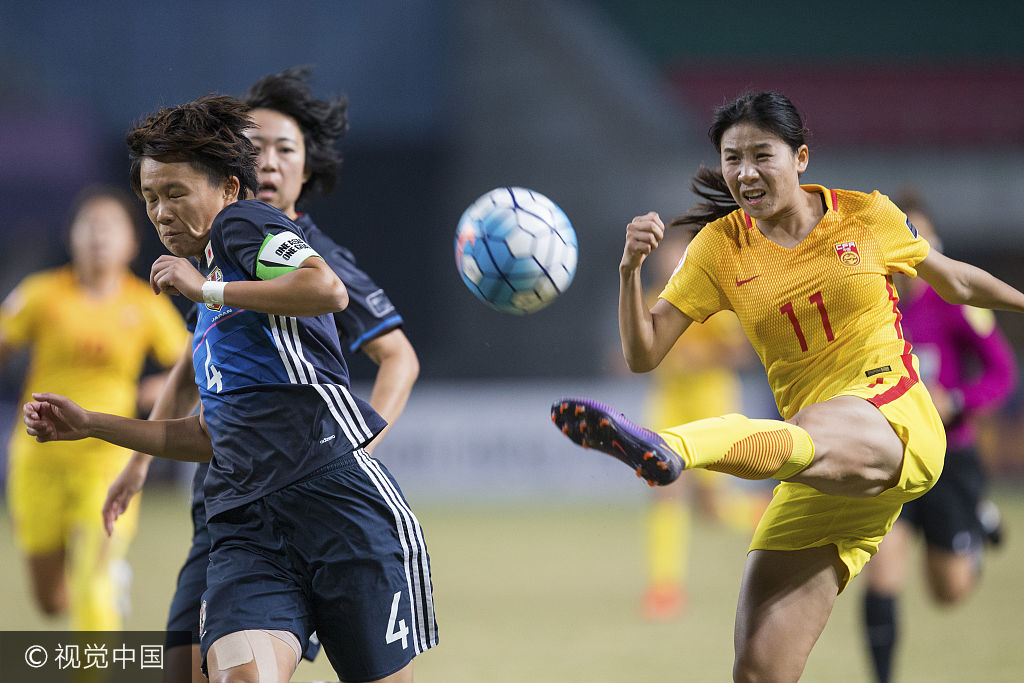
(515, 250)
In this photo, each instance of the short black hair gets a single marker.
(323, 122)
(209, 133)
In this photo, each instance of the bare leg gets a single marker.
(856, 451)
(951, 576)
(887, 571)
(785, 601)
(49, 584)
(403, 675)
(273, 661)
(183, 663)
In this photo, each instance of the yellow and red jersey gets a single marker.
(89, 349)
(822, 315)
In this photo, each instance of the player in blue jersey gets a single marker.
(295, 140)
(307, 531)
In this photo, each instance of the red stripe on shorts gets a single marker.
(901, 387)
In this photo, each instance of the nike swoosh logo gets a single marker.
(740, 283)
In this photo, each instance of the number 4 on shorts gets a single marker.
(397, 630)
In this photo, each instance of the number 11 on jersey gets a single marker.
(817, 300)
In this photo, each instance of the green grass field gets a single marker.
(545, 592)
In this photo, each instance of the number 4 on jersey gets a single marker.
(397, 630)
(213, 376)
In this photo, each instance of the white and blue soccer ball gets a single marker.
(516, 250)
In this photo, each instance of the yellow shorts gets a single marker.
(801, 517)
(55, 495)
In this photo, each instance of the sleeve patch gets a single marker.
(280, 254)
(379, 304)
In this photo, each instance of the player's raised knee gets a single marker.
(253, 656)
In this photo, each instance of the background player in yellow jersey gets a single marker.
(808, 271)
(90, 326)
(699, 378)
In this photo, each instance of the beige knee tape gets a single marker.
(291, 639)
(232, 650)
(242, 647)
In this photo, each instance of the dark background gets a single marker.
(601, 105)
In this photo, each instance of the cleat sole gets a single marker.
(593, 425)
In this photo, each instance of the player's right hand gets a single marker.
(643, 235)
(128, 483)
(174, 275)
(52, 417)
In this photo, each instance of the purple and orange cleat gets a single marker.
(595, 425)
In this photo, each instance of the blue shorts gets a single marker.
(183, 616)
(339, 553)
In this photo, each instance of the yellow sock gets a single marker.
(92, 581)
(745, 448)
(668, 541)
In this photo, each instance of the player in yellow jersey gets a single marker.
(89, 326)
(808, 271)
(697, 379)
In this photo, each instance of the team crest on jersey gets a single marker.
(215, 276)
(847, 253)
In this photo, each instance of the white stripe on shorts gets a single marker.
(417, 568)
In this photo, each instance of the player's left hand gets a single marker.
(175, 275)
(52, 417)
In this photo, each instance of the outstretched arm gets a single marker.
(647, 335)
(961, 283)
(177, 399)
(51, 417)
(397, 370)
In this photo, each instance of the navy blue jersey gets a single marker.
(200, 474)
(274, 388)
(369, 313)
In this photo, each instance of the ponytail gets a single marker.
(709, 185)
